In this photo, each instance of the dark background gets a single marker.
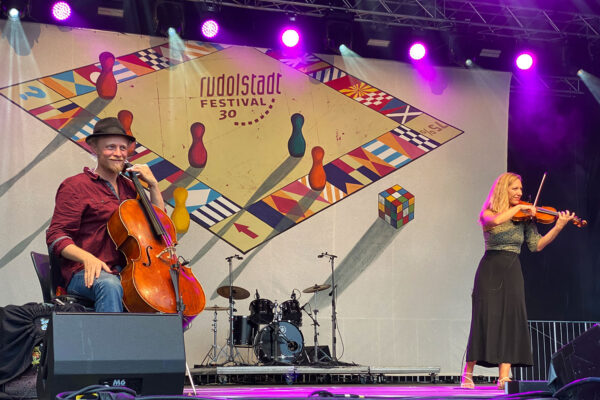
(561, 136)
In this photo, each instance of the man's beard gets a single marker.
(115, 167)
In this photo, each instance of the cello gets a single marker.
(154, 279)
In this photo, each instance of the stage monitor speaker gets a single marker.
(308, 354)
(576, 360)
(513, 387)
(144, 352)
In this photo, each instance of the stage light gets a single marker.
(13, 14)
(524, 61)
(469, 62)
(210, 28)
(417, 51)
(290, 37)
(61, 10)
(346, 52)
(15, 9)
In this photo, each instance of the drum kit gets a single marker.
(271, 330)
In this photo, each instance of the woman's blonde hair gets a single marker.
(497, 200)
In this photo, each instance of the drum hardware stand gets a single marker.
(275, 331)
(333, 310)
(318, 351)
(233, 352)
(215, 350)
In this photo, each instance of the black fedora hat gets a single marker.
(110, 126)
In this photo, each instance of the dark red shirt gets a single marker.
(84, 204)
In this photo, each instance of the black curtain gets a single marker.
(561, 136)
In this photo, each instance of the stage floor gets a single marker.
(347, 391)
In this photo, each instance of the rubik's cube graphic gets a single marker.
(396, 206)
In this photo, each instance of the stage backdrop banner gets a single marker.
(282, 157)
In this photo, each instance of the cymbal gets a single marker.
(316, 288)
(237, 292)
(216, 308)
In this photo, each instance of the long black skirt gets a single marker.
(499, 332)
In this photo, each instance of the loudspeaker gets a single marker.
(576, 360)
(144, 352)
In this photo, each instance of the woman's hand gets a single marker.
(527, 209)
(563, 218)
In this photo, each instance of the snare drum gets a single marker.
(290, 311)
(261, 311)
(244, 331)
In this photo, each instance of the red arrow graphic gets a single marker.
(244, 229)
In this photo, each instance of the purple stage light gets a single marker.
(61, 10)
(290, 37)
(524, 61)
(210, 28)
(417, 51)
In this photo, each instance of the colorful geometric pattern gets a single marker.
(154, 60)
(422, 142)
(327, 74)
(48, 99)
(396, 206)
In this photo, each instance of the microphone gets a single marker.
(238, 257)
(326, 254)
(257, 295)
(293, 296)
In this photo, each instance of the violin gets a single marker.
(545, 215)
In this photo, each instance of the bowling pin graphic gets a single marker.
(316, 176)
(197, 154)
(106, 84)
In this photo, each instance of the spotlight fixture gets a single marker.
(61, 10)
(168, 14)
(338, 30)
(525, 61)
(209, 28)
(290, 37)
(417, 51)
(15, 9)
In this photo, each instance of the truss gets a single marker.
(564, 86)
(474, 16)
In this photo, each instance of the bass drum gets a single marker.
(278, 345)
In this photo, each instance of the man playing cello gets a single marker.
(90, 262)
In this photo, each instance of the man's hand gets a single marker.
(92, 266)
(145, 174)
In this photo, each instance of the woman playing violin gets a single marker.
(499, 335)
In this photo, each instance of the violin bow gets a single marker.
(537, 196)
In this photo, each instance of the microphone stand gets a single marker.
(231, 357)
(333, 309)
